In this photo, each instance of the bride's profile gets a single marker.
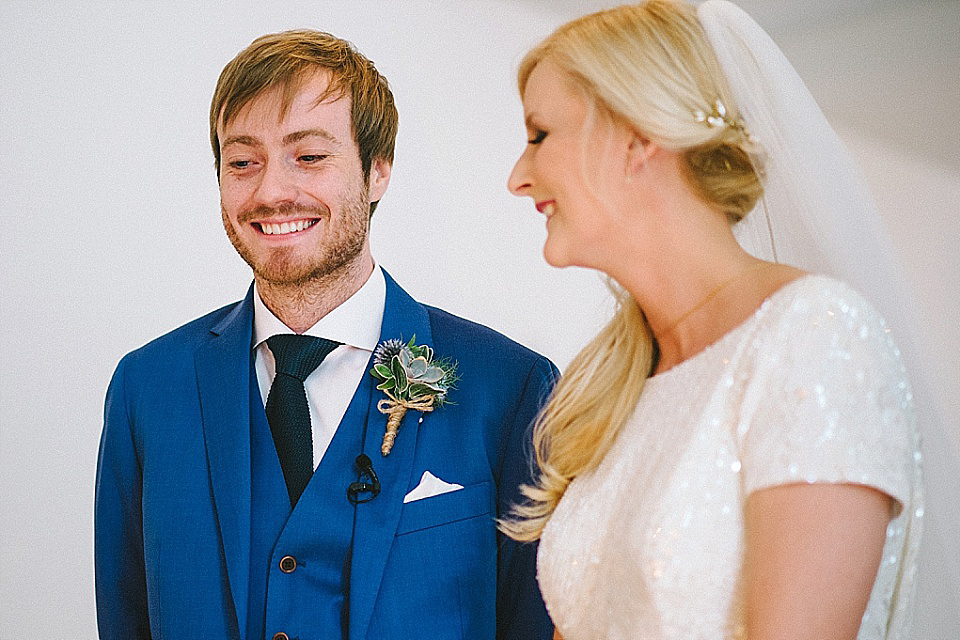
(736, 454)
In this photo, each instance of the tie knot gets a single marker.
(298, 355)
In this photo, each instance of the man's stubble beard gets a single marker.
(338, 252)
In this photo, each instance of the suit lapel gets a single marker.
(223, 380)
(377, 520)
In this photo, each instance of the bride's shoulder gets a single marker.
(815, 315)
(818, 296)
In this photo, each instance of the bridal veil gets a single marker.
(817, 214)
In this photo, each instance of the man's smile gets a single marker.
(284, 228)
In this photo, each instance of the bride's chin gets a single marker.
(554, 256)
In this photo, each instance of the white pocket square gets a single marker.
(430, 485)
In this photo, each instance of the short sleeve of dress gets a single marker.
(827, 399)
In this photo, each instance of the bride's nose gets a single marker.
(519, 181)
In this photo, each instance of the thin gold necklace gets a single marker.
(710, 296)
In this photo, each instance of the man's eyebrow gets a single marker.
(297, 136)
(249, 141)
(290, 138)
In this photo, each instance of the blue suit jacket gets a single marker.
(173, 499)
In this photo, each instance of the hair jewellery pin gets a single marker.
(719, 118)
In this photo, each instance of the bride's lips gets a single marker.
(547, 207)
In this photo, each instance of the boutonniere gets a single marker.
(412, 378)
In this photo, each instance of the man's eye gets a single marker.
(312, 157)
(538, 137)
(240, 164)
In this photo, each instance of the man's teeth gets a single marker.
(272, 228)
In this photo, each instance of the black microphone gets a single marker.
(367, 483)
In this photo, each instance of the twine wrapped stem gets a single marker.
(395, 408)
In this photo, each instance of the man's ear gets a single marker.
(640, 150)
(379, 178)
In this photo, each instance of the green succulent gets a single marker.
(409, 371)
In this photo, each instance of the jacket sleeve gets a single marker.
(118, 532)
(521, 614)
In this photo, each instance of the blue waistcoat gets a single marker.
(299, 558)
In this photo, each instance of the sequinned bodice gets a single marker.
(809, 389)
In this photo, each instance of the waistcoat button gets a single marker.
(288, 564)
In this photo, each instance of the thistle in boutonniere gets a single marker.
(412, 378)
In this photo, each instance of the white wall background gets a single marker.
(112, 234)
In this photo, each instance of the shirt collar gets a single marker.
(356, 322)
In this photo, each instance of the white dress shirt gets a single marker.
(355, 323)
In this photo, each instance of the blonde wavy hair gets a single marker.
(649, 65)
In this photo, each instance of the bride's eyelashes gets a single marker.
(538, 136)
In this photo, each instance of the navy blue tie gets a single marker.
(287, 410)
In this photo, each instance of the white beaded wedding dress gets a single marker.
(811, 388)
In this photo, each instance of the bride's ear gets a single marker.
(640, 150)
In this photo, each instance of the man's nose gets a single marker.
(277, 185)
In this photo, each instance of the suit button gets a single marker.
(281, 636)
(287, 565)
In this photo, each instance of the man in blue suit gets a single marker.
(202, 530)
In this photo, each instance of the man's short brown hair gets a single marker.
(285, 60)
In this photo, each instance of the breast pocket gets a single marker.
(472, 501)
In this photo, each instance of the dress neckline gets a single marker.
(749, 321)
